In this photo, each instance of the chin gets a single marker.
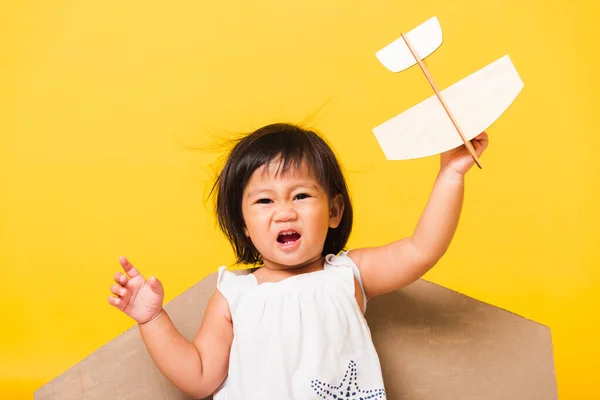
(292, 261)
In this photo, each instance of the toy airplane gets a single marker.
(468, 107)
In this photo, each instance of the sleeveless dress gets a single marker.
(302, 338)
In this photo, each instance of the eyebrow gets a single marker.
(291, 188)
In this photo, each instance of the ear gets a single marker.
(336, 211)
(246, 231)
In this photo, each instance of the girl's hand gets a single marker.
(459, 159)
(137, 297)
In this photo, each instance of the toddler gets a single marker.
(294, 328)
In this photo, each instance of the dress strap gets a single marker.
(232, 285)
(343, 260)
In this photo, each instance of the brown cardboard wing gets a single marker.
(433, 343)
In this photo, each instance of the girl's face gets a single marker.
(287, 215)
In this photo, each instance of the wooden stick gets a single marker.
(467, 143)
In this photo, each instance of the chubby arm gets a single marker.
(199, 367)
(392, 266)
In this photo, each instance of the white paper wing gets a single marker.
(425, 39)
(476, 102)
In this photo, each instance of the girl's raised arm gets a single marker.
(392, 266)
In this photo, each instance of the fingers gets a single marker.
(127, 284)
(480, 142)
(128, 267)
(482, 136)
(115, 302)
(121, 278)
(121, 296)
(122, 293)
(117, 290)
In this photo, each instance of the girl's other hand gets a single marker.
(459, 159)
(137, 297)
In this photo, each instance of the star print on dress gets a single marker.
(348, 389)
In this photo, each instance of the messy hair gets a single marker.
(292, 146)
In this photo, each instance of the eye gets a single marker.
(263, 201)
(301, 196)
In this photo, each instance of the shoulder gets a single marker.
(232, 284)
(218, 306)
(347, 259)
(389, 267)
(355, 255)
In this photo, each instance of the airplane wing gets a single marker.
(476, 102)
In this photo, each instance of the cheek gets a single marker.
(318, 215)
(247, 221)
(254, 221)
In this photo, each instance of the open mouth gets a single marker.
(288, 237)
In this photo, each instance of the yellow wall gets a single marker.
(98, 101)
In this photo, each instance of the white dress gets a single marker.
(303, 338)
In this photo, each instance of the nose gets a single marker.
(285, 212)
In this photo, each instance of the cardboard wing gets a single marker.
(433, 343)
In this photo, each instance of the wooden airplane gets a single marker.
(451, 117)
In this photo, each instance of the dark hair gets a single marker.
(293, 146)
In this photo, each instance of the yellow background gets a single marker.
(101, 100)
